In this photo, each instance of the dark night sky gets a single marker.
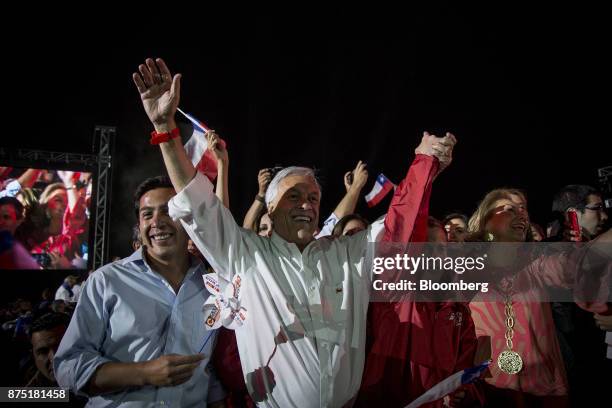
(520, 89)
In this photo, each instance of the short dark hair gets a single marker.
(15, 203)
(149, 184)
(339, 227)
(135, 233)
(452, 216)
(49, 321)
(573, 195)
(257, 221)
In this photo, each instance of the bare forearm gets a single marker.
(112, 377)
(222, 190)
(178, 165)
(27, 179)
(254, 211)
(348, 203)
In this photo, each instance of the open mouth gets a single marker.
(160, 237)
(302, 218)
(519, 227)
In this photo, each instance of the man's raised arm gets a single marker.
(205, 219)
(409, 209)
(160, 94)
(353, 182)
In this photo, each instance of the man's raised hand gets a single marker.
(357, 178)
(216, 147)
(159, 91)
(439, 147)
(263, 181)
(444, 150)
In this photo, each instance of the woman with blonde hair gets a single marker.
(527, 368)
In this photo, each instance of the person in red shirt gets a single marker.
(415, 345)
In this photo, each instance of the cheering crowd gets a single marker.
(287, 319)
(44, 218)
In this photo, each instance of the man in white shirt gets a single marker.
(302, 343)
(76, 290)
(65, 291)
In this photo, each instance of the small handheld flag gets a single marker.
(381, 188)
(450, 384)
(197, 148)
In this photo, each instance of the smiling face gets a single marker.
(57, 202)
(295, 210)
(56, 207)
(508, 220)
(164, 239)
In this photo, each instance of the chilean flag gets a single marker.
(381, 188)
(197, 148)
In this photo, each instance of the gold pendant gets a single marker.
(510, 362)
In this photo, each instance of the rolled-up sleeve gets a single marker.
(78, 355)
(211, 226)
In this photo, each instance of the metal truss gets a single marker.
(28, 156)
(104, 137)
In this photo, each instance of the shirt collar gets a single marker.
(289, 248)
(134, 258)
(137, 258)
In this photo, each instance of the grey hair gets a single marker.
(272, 190)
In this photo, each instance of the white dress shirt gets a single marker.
(63, 294)
(76, 290)
(312, 305)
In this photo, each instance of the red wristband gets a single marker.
(157, 138)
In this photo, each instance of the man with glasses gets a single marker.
(582, 342)
(589, 207)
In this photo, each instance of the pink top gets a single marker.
(535, 338)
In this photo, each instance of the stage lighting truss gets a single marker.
(104, 137)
